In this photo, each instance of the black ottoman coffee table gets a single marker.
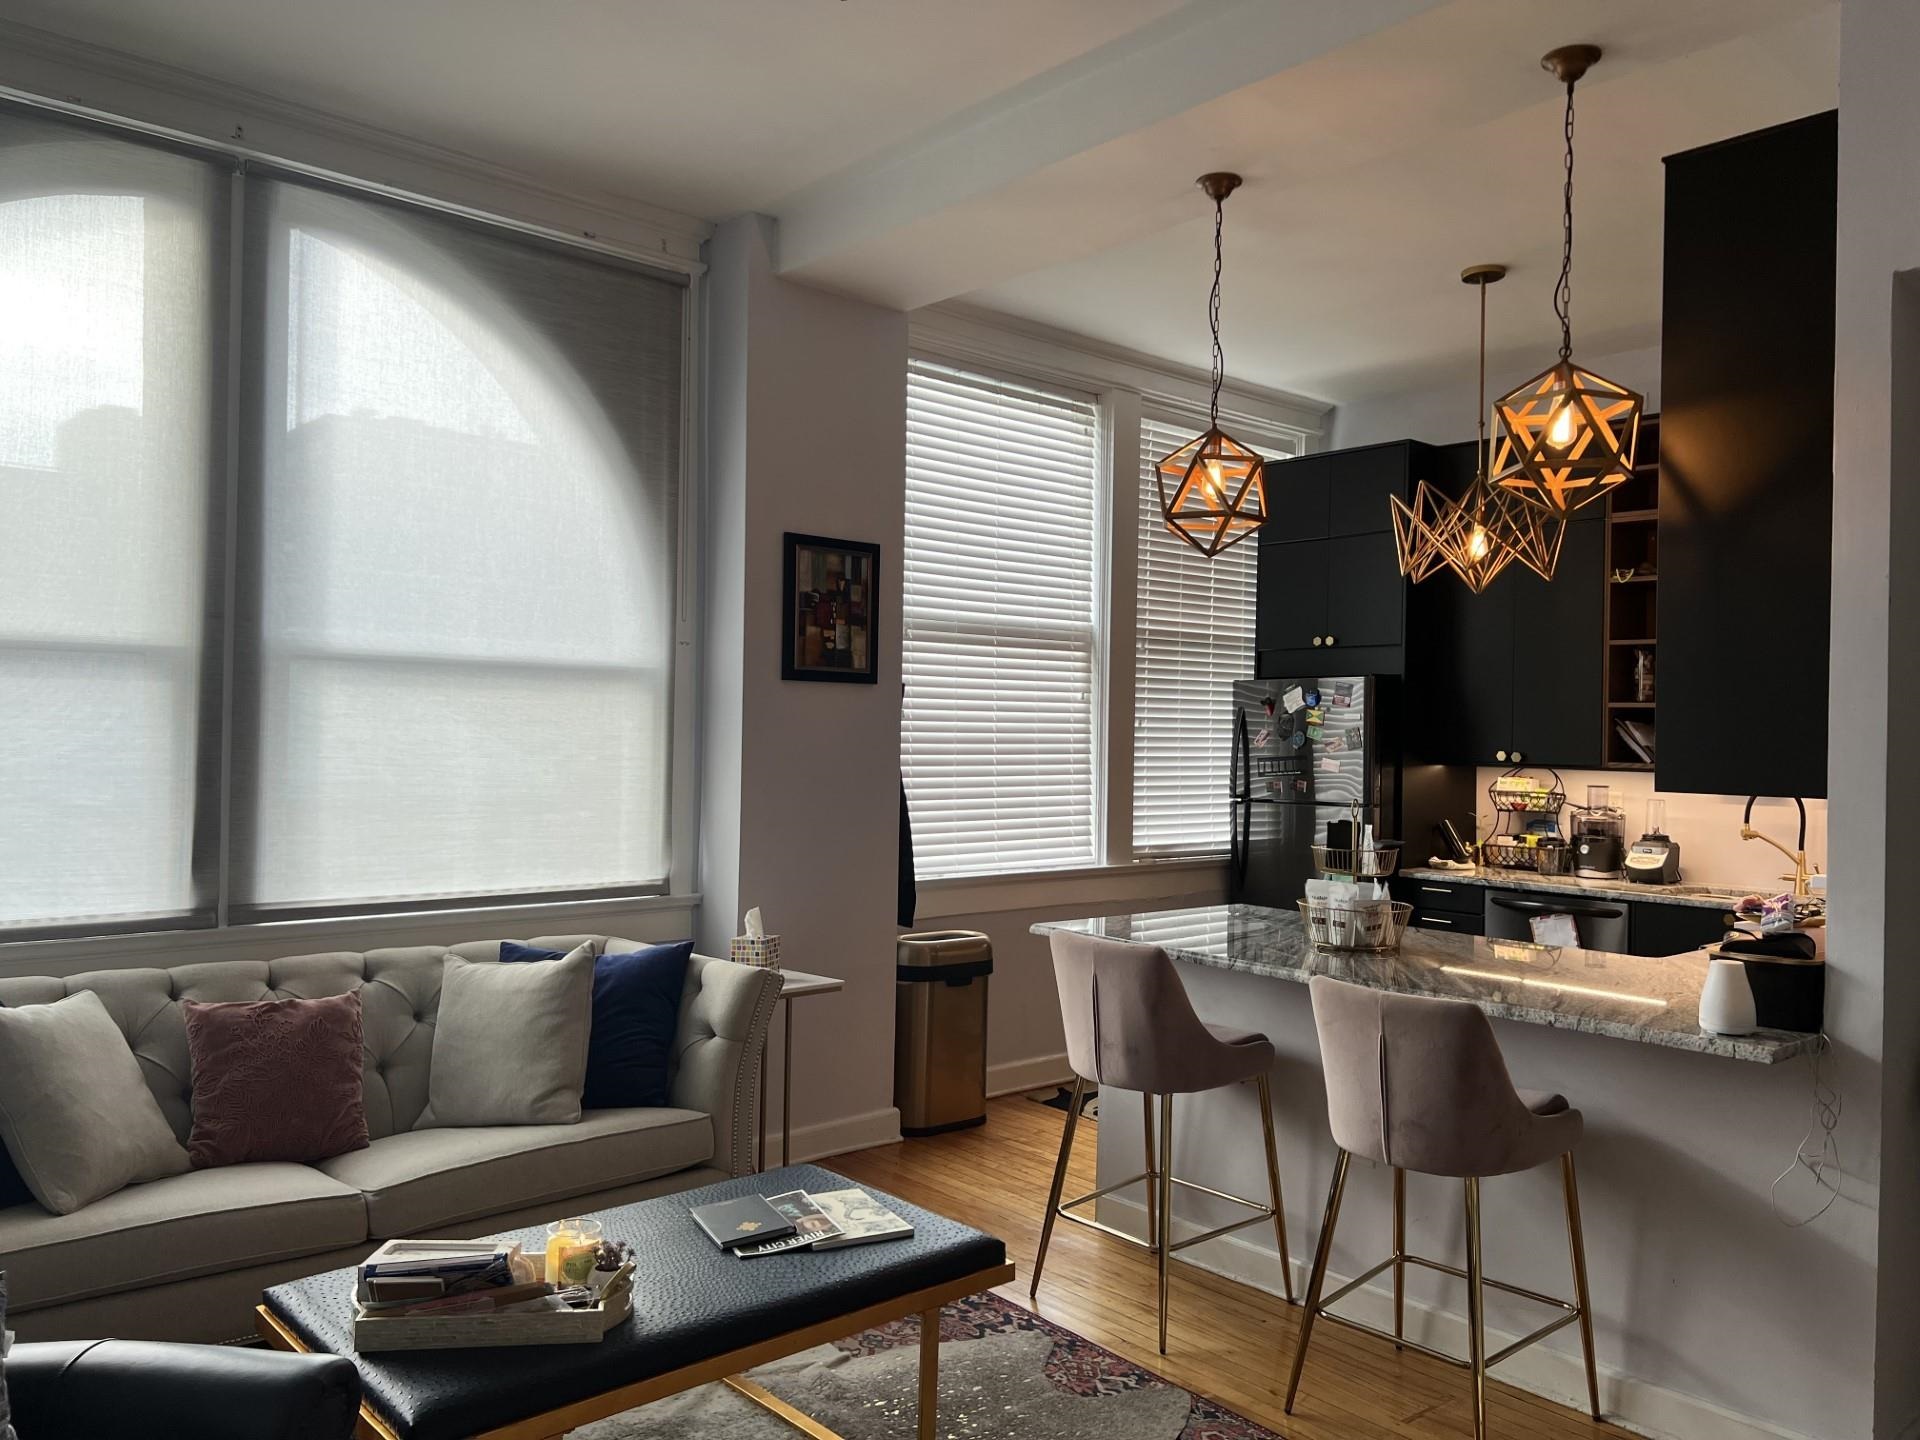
(699, 1315)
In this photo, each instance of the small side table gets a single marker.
(793, 985)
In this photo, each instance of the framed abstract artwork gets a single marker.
(831, 627)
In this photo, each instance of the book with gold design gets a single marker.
(737, 1222)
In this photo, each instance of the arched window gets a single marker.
(466, 448)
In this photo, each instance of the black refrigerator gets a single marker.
(1306, 752)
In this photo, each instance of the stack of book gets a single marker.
(768, 1224)
(448, 1277)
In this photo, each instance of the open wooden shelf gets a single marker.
(1632, 604)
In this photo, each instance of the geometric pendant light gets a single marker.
(1488, 528)
(1567, 436)
(1213, 489)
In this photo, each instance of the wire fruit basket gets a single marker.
(1368, 925)
(1368, 862)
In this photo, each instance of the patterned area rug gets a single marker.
(1004, 1373)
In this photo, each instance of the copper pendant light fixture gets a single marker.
(1487, 528)
(1213, 489)
(1567, 436)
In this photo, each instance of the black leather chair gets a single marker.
(85, 1389)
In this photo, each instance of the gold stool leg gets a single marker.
(1317, 1279)
(1476, 1315)
(1166, 1207)
(1576, 1242)
(1273, 1185)
(1059, 1182)
(1399, 1256)
(1153, 1172)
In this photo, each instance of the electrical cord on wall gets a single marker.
(1822, 1160)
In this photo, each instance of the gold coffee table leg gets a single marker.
(929, 1371)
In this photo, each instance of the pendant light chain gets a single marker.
(1213, 314)
(1563, 292)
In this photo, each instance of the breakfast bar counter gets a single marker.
(1690, 1191)
(1628, 997)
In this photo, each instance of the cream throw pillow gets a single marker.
(75, 1112)
(510, 1043)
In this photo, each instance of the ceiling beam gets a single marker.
(839, 230)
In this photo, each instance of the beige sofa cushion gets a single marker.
(193, 1224)
(429, 1178)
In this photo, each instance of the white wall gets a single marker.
(806, 431)
(1874, 1000)
(1443, 414)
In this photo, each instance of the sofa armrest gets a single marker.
(80, 1389)
(725, 1012)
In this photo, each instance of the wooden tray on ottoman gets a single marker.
(586, 1326)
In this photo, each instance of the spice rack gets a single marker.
(1521, 803)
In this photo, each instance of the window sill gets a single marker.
(1054, 890)
(272, 939)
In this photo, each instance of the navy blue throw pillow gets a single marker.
(636, 1011)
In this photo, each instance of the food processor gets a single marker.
(1599, 841)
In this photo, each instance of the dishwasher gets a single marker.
(1602, 924)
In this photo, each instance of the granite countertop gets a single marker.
(1573, 885)
(1655, 1002)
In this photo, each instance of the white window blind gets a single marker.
(1193, 637)
(1000, 723)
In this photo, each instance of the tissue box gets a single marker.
(747, 950)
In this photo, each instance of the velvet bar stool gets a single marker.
(1130, 1026)
(1419, 1084)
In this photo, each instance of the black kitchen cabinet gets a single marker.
(1667, 929)
(1746, 467)
(1329, 577)
(1514, 675)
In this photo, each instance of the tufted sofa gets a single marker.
(186, 1257)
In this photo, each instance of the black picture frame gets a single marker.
(830, 612)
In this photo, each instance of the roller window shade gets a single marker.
(463, 452)
(1193, 637)
(1001, 661)
(111, 367)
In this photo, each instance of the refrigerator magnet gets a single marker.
(1297, 739)
(1313, 698)
(1315, 715)
(1333, 743)
(1314, 732)
(1342, 692)
(1293, 699)
(1261, 737)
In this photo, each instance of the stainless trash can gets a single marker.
(940, 1030)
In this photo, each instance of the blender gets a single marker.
(1599, 841)
(1655, 856)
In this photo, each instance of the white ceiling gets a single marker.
(1036, 157)
(707, 106)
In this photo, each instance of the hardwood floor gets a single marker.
(1226, 1341)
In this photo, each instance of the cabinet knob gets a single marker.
(1318, 641)
(1329, 639)
(1518, 757)
(1500, 755)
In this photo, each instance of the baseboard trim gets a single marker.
(1014, 1076)
(1628, 1402)
(836, 1137)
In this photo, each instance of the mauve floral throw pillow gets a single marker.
(275, 1080)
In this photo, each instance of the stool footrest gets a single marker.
(1260, 1213)
(1559, 1322)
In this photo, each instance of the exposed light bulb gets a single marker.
(1214, 483)
(1560, 431)
(1478, 543)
